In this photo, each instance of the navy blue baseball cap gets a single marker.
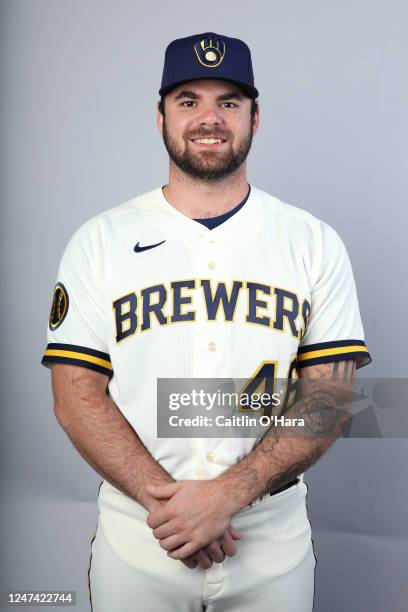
(208, 56)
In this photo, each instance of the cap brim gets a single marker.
(251, 92)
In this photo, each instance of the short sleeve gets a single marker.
(334, 330)
(77, 326)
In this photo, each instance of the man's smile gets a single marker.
(209, 142)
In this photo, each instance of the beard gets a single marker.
(209, 166)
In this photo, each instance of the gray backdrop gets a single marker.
(79, 81)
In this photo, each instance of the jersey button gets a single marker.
(211, 265)
(211, 457)
(212, 346)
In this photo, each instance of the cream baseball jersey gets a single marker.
(144, 292)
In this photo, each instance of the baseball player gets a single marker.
(207, 277)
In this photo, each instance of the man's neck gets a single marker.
(199, 199)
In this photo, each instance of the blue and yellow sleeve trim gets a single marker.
(337, 350)
(73, 354)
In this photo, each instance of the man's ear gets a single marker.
(159, 119)
(255, 120)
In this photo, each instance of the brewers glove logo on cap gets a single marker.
(210, 52)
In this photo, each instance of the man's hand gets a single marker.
(216, 551)
(195, 515)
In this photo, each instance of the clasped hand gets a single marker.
(194, 523)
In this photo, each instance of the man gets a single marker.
(208, 278)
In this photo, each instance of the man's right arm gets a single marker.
(111, 446)
(101, 433)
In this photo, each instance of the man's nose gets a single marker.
(210, 115)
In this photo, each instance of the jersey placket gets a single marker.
(210, 350)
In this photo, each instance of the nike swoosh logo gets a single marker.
(139, 249)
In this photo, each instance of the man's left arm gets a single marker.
(286, 452)
(198, 511)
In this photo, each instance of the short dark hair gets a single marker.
(254, 106)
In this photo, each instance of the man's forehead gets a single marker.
(207, 86)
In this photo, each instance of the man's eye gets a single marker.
(187, 103)
(230, 104)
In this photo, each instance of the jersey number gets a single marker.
(264, 380)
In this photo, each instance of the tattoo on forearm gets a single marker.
(289, 450)
(321, 413)
(278, 480)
